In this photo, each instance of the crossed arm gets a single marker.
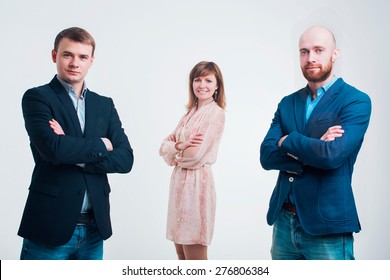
(120, 160)
(190, 147)
(57, 129)
(331, 134)
(291, 152)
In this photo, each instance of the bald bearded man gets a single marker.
(314, 139)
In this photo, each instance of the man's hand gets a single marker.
(108, 144)
(57, 129)
(281, 140)
(332, 133)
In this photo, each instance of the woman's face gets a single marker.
(204, 88)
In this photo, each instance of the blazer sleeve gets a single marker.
(271, 157)
(57, 149)
(212, 129)
(121, 158)
(354, 118)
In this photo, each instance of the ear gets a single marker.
(54, 56)
(335, 54)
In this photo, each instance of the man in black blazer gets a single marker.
(76, 138)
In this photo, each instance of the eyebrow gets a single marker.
(314, 47)
(68, 52)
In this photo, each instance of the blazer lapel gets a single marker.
(91, 109)
(326, 100)
(67, 102)
(300, 109)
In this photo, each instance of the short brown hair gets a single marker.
(75, 34)
(202, 69)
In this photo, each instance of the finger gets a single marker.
(335, 127)
(329, 139)
(197, 135)
(338, 130)
(337, 135)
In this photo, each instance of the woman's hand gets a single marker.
(57, 129)
(193, 141)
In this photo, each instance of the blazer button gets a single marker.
(291, 179)
(80, 192)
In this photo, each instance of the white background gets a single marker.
(145, 50)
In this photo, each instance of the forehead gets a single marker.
(205, 74)
(316, 38)
(68, 45)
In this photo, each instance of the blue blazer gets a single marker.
(318, 172)
(58, 185)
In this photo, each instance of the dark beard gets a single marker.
(320, 76)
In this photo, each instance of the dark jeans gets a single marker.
(85, 244)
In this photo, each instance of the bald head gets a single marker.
(319, 34)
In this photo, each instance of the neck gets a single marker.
(205, 102)
(314, 86)
(78, 88)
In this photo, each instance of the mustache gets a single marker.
(311, 65)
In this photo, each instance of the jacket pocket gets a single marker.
(51, 190)
(328, 121)
(335, 199)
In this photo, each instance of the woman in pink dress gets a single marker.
(192, 148)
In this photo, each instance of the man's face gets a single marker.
(317, 55)
(317, 72)
(73, 61)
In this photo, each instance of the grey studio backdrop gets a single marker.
(145, 50)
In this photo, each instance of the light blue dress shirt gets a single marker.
(79, 105)
(310, 105)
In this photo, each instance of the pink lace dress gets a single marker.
(192, 198)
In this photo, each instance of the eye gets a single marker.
(209, 81)
(196, 80)
(304, 52)
(84, 57)
(320, 50)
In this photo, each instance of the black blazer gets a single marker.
(58, 185)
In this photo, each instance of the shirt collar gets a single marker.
(329, 84)
(324, 88)
(69, 88)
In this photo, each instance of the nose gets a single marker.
(73, 62)
(202, 84)
(311, 57)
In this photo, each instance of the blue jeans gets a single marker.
(290, 242)
(85, 244)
